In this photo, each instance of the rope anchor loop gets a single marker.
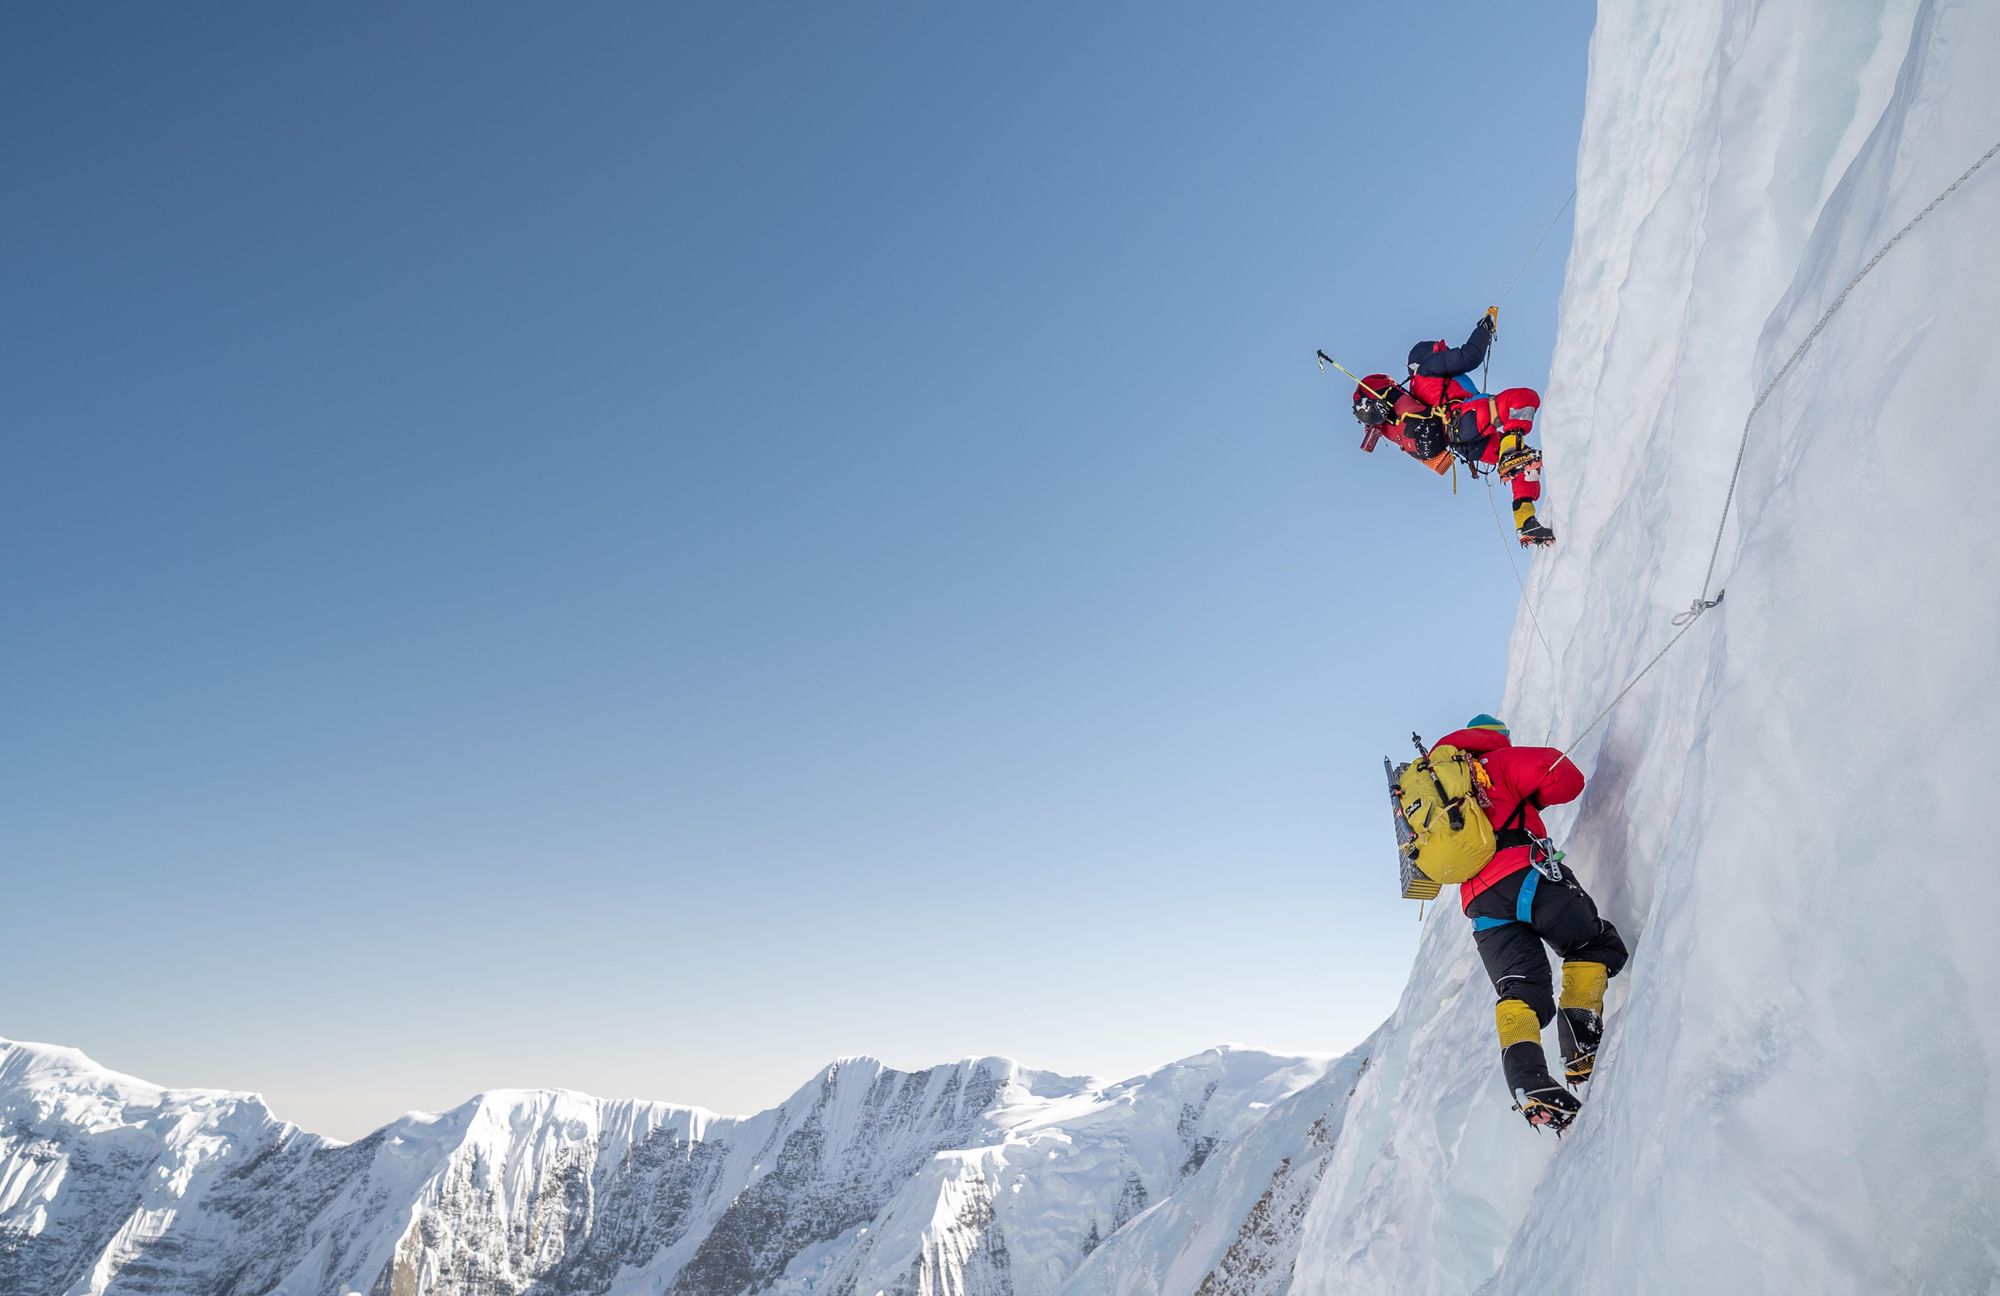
(1699, 606)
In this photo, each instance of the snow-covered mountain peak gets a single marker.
(68, 1086)
(975, 1175)
(23, 1060)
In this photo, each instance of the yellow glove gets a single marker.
(1493, 320)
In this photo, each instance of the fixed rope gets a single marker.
(1486, 386)
(1486, 374)
(1701, 605)
(1506, 542)
(1538, 247)
(1685, 620)
(1644, 671)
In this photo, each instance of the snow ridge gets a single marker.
(980, 1176)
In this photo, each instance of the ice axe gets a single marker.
(1374, 434)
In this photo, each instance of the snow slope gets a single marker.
(976, 1177)
(1788, 817)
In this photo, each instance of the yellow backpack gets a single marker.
(1438, 797)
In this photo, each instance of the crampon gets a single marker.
(1581, 1030)
(1517, 461)
(1552, 1109)
(1535, 534)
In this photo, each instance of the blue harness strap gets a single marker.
(1524, 907)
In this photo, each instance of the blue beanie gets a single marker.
(1484, 721)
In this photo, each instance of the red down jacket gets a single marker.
(1470, 414)
(1538, 776)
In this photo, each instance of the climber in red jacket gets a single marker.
(1438, 412)
(1523, 898)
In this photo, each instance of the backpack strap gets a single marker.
(1515, 832)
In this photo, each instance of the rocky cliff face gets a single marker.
(980, 1178)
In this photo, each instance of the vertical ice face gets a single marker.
(1799, 1093)
(1789, 817)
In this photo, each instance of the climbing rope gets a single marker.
(1685, 620)
(1538, 247)
(1508, 543)
(1644, 671)
(1701, 604)
(1486, 389)
(1486, 374)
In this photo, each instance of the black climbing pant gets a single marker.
(1510, 934)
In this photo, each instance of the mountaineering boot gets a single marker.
(1515, 458)
(1531, 531)
(1580, 1017)
(1535, 534)
(1537, 1096)
(1579, 1029)
(1551, 1108)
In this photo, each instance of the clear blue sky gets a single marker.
(645, 547)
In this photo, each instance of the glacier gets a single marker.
(1797, 1087)
(1796, 1091)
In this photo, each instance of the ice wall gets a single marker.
(1789, 817)
(1790, 812)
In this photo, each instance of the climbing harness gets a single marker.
(1524, 905)
(1544, 861)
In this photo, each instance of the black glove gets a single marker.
(1427, 440)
